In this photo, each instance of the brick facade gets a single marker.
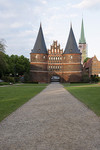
(55, 63)
(92, 66)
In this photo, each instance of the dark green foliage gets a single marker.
(26, 77)
(8, 79)
(13, 66)
(85, 78)
(19, 65)
(3, 64)
(4, 83)
(2, 45)
(94, 78)
(85, 60)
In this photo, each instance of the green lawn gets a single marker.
(81, 84)
(32, 84)
(12, 97)
(89, 95)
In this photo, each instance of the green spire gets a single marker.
(82, 38)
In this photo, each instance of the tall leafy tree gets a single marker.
(13, 65)
(19, 65)
(2, 45)
(3, 64)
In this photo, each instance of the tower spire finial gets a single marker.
(82, 37)
(70, 24)
(40, 24)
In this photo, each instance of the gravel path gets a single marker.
(52, 120)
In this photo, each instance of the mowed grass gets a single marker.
(12, 97)
(89, 95)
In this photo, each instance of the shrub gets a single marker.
(8, 79)
(85, 78)
(94, 78)
(4, 83)
(26, 78)
(16, 79)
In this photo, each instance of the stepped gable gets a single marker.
(71, 46)
(40, 46)
(82, 37)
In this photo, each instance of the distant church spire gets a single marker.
(83, 44)
(82, 37)
(40, 46)
(71, 46)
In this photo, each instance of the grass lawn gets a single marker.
(81, 84)
(12, 97)
(32, 84)
(89, 95)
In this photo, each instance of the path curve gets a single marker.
(52, 120)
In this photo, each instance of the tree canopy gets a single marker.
(13, 65)
(2, 45)
(85, 60)
(3, 64)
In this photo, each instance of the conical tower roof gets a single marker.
(40, 46)
(71, 46)
(82, 37)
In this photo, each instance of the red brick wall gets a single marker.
(66, 66)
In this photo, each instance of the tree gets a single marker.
(2, 45)
(19, 65)
(13, 65)
(86, 59)
(3, 64)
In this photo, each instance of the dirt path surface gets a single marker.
(52, 120)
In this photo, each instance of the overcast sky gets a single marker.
(20, 21)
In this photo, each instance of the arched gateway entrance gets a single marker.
(55, 78)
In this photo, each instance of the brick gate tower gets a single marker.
(39, 59)
(55, 63)
(72, 68)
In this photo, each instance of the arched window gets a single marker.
(58, 58)
(49, 58)
(54, 58)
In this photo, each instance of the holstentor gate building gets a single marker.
(67, 65)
